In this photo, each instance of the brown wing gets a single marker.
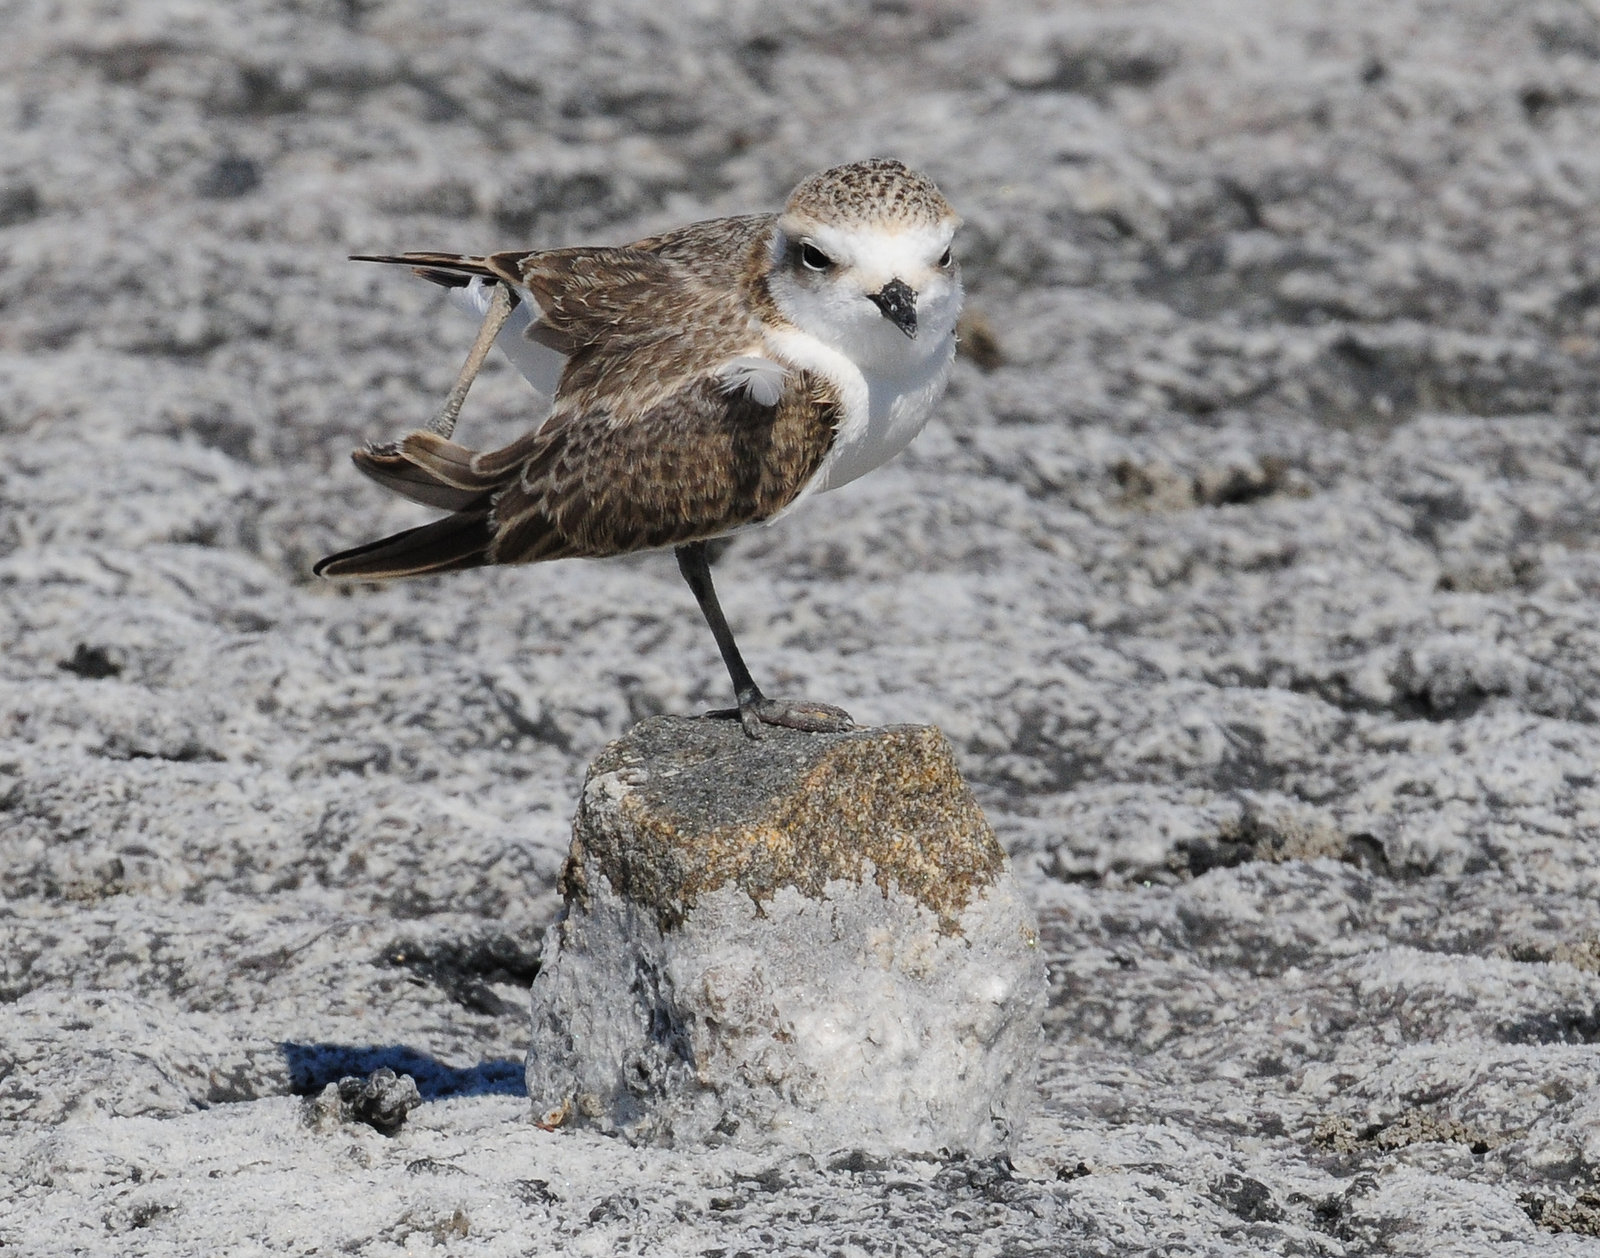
(636, 322)
(635, 328)
(699, 464)
(715, 251)
(646, 446)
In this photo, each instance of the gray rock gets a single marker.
(812, 941)
(381, 1101)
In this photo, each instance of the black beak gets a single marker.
(898, 301)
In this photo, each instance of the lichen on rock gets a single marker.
(810, 941)
(679, 808)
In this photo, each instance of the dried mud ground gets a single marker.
(1250, 565)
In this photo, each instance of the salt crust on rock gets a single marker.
(813, 941)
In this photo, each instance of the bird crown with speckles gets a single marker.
(872, 190)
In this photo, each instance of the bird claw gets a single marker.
(812, 718)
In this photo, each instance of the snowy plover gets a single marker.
(699, 382)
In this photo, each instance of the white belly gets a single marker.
(897, 409)
(881, 409)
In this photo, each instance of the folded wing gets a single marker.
(668, 425)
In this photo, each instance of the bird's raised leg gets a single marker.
(755, 709)
(500, 307)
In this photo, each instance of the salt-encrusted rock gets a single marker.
(382, 1100)
(812, 940)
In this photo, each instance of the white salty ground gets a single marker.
(1256, 586)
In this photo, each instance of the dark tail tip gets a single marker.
(448, 545)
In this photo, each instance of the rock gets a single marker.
(382, 1100)
(810, 941)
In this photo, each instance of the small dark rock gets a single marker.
(382, 1100)
(1248, 1198)
(230, 176)
(91, 662)
(1366, 852)
(1579, 1025)
(1538, 102)
(19, 203)
(857, 1162)
(617, 1208)
(432, 1166)
(535, 1192)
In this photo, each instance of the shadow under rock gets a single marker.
(313, 1066)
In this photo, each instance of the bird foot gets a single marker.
(813, 718)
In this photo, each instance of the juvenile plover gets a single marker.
(698, 382)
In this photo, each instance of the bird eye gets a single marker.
(812, 258)
(944, 258)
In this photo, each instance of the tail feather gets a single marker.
(429, 469)
(389, 466)
(438, 472)
(449, 462)
(448, 545)
(454, 270)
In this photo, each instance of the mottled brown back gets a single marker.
(646, 444)
(699, 464)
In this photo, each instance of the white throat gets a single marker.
(884, 402)
(887, 382)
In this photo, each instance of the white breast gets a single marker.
(882, 409)
(898, 407)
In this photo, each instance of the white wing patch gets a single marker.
(760, 377)
(538, 363)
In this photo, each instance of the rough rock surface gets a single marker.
(678, 809)
(811, 943)
(1250, 566)
(381, 1100)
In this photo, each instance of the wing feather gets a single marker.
(454, 270)
(701, 463)
(448, 545)
(391, 468)
(669, 424)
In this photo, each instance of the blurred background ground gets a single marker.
(1250, 564)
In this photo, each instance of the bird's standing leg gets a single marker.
(500, 307)
(755, 709)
